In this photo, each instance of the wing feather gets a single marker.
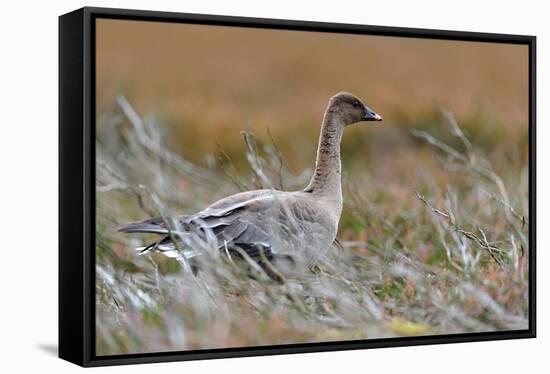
(228, 219)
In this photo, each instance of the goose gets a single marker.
(269, 225)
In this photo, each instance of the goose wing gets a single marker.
(222, 212)
(233, 220)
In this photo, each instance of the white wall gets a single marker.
(28, 159)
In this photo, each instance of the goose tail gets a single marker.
(151, 226)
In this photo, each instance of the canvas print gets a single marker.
(260, 187)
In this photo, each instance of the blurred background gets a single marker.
(208, 83)
(434, 230)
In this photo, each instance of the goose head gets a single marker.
(350, 109)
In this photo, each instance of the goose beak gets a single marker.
(371, 115)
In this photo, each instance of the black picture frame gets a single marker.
(77, 190)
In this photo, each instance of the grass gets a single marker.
(441, 249)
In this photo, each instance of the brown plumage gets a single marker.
(298, 224)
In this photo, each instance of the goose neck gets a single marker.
(327, 175)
